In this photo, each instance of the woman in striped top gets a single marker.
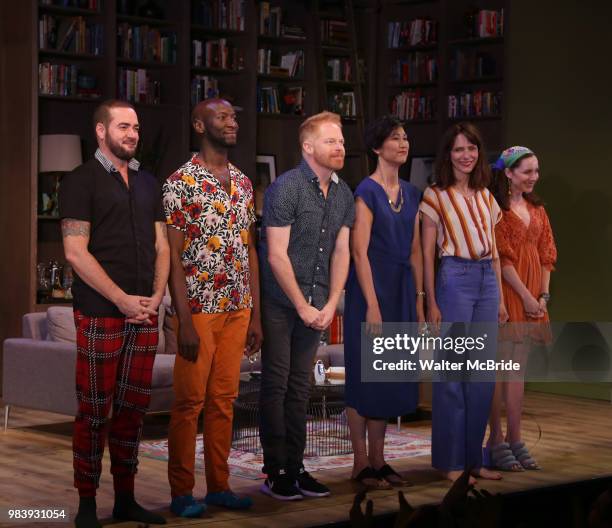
(459, 216)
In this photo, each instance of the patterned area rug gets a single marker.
(404, 444)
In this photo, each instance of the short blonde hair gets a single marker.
(310, 125)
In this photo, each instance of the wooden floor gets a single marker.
(36, 468)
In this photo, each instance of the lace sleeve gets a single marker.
(503, 239)
(546, 243)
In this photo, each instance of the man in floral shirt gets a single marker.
(214, 281)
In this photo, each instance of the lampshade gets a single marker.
(59, 152)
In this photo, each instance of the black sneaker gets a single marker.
(310, 487)
(281, 487)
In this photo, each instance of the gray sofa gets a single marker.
(38, 370)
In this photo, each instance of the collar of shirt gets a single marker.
(311, 176)
(206, 174)
(133, 164)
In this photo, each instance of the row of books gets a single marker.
(338, 70)
(486, 23)
(280, 99)
(63, 79)
(414, 105)
(219, 14)
(81, 4)
(270, 19)
(137, 86)
(335, 33)
(70, 34)
(271, 62)
(474, 104)
(415, 68)
(418, 32)
(203, 87)
(470, 64)
(216, 54)
(144, 43)
(342, 104)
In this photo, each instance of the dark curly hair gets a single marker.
(377, 132)
(443, 175)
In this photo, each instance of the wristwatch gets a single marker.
(545, 296)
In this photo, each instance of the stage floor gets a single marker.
(570, 437)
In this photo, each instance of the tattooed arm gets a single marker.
(75, 234)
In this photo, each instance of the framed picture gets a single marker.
(265, 174)
(421, 171)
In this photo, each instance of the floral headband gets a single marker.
(510, 156)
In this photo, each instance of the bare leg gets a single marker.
(376, 453)
(357, 429)
(376, 442)
(514, 394)
(515, 391)
(497, 457)
(496, 434)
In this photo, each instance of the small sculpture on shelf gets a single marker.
(53, 282)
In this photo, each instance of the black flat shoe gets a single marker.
(370, 478)
(388, 474)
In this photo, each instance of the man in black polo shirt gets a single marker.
(308, 212)
(114, 233)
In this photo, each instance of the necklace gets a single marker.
(394, 207)
(468, 196)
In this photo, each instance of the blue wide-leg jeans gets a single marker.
(466, 292)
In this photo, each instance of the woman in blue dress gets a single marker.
(385, 283)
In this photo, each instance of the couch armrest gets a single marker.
(39, 375)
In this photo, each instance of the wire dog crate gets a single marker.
(327, 431)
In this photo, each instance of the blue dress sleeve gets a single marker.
(367, 192)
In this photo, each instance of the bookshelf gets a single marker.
(458, 73)
(342, 78)
(221, 36)
(230, 32)
(285, 81)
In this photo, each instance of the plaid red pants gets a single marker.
(114, 367)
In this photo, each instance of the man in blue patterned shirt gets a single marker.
(308, 212)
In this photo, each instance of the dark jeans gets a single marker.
(287, 358)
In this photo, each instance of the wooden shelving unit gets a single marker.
(166, 136)
(452, 38)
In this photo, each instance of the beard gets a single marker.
(217, 139)
(334, 163)
(119, 150)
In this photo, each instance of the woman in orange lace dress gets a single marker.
(527, 252)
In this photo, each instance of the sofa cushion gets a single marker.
(60, 324)
(170, 329)
(331, 355)
(61, 328)
(163, 371)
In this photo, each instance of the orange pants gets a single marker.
(210, 383)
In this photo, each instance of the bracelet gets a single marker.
(420, 293)
(545, 296)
